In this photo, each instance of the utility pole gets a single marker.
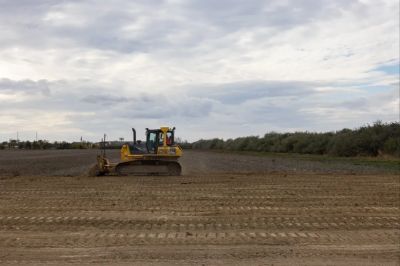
(17, 146)
(36, 136)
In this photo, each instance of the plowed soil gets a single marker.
(225, 210)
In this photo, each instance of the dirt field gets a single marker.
(225, 210)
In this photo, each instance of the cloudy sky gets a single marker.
(223, 68)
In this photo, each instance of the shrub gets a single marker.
(369, 140)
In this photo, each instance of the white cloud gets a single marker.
(212, 68)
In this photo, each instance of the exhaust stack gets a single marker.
(134, 136)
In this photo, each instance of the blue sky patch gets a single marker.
(392, 69)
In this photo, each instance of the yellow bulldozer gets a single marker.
(158, 155)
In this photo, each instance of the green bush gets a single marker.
(392, 146)
(369, 140)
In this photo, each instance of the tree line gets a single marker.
(370, 140)
(45, 145)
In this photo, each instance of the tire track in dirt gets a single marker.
(71, 222)
(125, 238)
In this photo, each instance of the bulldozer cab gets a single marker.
(158, 138)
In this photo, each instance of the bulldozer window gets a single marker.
(152, 142)
(160, 139)
(170, 138)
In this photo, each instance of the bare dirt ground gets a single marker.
(225, 210)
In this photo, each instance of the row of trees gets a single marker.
(44, 145)
(370, 140)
